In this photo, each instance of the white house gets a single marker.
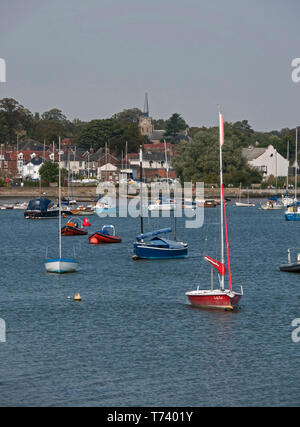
(267, 160)
(31, 168)
(155, 160)
(107, 171)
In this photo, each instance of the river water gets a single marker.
(134, 340)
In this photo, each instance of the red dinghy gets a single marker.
(106, 235)
(72, 228)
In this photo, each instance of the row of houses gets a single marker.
(25, 161)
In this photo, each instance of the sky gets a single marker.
(94, 58)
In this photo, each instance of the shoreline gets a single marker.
(89, 193)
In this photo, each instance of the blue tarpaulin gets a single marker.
(39, 204)
(153, 233)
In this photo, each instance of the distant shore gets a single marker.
(88, 193)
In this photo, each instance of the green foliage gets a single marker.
(11, 116)
(55, 115)
(198, 160)
(130, 115)
(174, 125)
(49, 172)
(97, 133)
(48, 130)
(159, 124)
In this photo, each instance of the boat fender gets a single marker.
(93, 240)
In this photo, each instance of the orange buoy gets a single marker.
(93, 240)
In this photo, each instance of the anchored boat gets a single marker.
(291, 267)
(106, 235)
(41, 208)
(74, 227)
(220, 298)
(60, 265)
(150, 246)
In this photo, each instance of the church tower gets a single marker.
(145, 122)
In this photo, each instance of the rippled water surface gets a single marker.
(134, 340)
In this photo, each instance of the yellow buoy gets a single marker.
(77, 297)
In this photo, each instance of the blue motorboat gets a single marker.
(293, 212)
(153, 246)
(41, 208)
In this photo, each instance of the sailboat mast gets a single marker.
(141, 189)
(221, 132)
(296, 163)
(288, 158)
(59, 198)
(168, 187)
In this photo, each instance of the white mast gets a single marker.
(141, 189)
(288, 158)
(17, 154)
(296, 163)
(59, 199)
(221, 130)
(167, 164)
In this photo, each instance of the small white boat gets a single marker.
(164, 206)
(22, 206)
(60, 265)
(241, 204)
(105, 205)
(287, 201)
(271, 205)
(244, 205)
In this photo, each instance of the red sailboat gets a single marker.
(220, 298)
(106, 235)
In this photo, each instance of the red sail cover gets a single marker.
(218, 265)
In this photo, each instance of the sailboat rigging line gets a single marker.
(227, 241)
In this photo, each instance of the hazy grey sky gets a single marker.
(93, 58)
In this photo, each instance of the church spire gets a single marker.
(146, 106)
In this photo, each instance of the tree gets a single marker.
(11, 115)
(159, 124)
(48, 130)
(129, 133)
(130, 115)
(97, 133)
(174, 125)
(49, 172)
(198, 160)
(55, 115)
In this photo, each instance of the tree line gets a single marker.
(17, 122)
(196, 159)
